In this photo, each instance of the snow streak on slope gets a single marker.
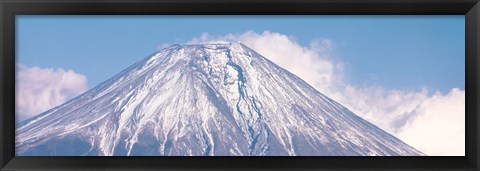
(209, 99)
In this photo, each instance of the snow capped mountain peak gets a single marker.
(204, 99)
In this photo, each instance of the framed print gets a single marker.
(287, 85)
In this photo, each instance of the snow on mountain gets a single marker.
(208, 99)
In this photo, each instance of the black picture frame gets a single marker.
(10, 8)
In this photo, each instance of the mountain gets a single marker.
(208, 99)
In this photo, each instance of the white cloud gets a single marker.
(434, 124)
(388, 109)
(438, 128)
(39, 89)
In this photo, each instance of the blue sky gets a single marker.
(398, 52)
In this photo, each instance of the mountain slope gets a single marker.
(209, 99)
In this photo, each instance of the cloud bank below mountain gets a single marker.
(39, 89)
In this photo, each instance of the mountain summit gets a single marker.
(207, 99)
